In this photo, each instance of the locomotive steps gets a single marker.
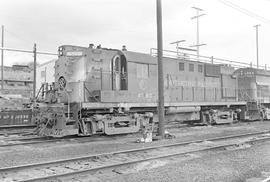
(114, 160)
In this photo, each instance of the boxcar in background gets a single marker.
(16, 117)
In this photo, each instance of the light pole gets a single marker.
(177, 46)
(198, 35)
(257, 44)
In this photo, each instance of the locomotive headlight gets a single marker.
(60, 51)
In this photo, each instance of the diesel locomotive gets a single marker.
(109, 91)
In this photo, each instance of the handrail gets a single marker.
(206, 59)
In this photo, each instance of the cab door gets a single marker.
(116, 73)
(119, 73)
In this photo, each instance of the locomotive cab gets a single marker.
(89, 71)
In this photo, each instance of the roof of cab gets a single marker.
(139, 57)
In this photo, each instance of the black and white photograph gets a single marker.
(135, 91)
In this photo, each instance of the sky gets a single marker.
(227, 32)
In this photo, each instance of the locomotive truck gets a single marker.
(110, 91)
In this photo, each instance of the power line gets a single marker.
(27, 51)
(17, 36)
(22, 50)
(25, 40)
(245, 11)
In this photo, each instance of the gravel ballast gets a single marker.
(249, 164)
(19, 155)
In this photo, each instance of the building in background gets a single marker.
(18, 80)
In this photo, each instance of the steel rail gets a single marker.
(266, 180)
(2, 127)
(39, 140)
(8, 129)
(29, 143)
(63, 161)
(14, 133)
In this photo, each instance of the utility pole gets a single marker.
(35, 69)
(177, 46)
(2, 60)
(161, 117)
(198, 35)
(257, 44)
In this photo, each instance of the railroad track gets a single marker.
(3, 127)
(27, 141)
(15, 133)
(65, 168)
(266, 179)
(39, 140)
(6, 130)
(28, 138)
